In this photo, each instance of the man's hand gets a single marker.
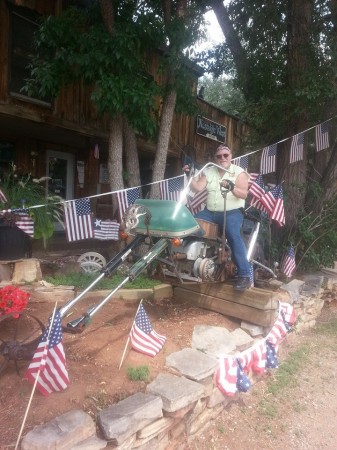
(227, 184)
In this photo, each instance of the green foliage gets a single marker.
(24, 191)
(139, 373)
(221, 92)
(82, 280)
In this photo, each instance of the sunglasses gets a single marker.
(222, 155)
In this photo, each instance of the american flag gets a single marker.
(268, 159)
(241, 161)
(296, 149)
(3, 198)
(278, 332)
(143, 337)
(257, 192)
(252, 178)
(257, 187)
(288, 264)
(322, 136)
(197, 202)
(127, 198)
(272, 360)
(105, 230)
(25, 223)
(226, 375)
(78, 220)
(278, 208)
(49, 359)
(171, 188)
(243, 383)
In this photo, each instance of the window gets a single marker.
(23, 25)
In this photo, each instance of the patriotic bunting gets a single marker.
(25, 223)
(233, 370)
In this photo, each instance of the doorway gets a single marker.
(60, 170)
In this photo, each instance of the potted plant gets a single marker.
(21, 195)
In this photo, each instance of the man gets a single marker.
(234, 180)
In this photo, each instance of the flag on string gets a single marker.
(197, 202)
(296, 150)
(3, 198)
(322, 136)
(259, 356)
(127, 198)
(275, 202)
(241, 161)
(288, 313)
(49, 359)
(171, 188)
(272, 360)
(268, 159)
(288, 264)
(105, 230)
(243, 383)
(25, 222)
(78, 220)
(144, 338)
(226, 375)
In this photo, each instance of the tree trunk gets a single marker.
(163, 141)
(115, 161)
(131, 155)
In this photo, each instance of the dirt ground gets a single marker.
(93, 359)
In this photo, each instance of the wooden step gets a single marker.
(257, 306)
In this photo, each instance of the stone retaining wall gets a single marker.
(175, 407)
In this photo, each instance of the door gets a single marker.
(60, 170)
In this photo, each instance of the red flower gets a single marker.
(12, 300)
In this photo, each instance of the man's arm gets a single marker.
(197, 184)
(240, 188)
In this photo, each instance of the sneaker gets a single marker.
(242, 284)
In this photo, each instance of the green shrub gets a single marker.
(140, 373)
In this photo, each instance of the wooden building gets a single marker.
(58, 138)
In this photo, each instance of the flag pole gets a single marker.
(127, 342)
(35, 383)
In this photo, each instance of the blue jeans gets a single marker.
(234, 220)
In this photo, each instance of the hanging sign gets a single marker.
(210, 129)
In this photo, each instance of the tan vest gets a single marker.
(215, 201)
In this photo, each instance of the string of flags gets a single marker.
(270, 152)
(233, 372)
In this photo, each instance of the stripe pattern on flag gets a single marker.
(25, 223)
(170, 189)
(105, 230)
(78, 220)
(144, 338)
(197, 202)
(322, 136)
(296, 150)
(126, 198)
(268, 159)
(288, 264)
(49, 359)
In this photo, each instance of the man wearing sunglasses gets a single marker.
(234, 180)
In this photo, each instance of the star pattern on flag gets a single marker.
(272, 360)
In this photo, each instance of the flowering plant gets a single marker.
(12, 300)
